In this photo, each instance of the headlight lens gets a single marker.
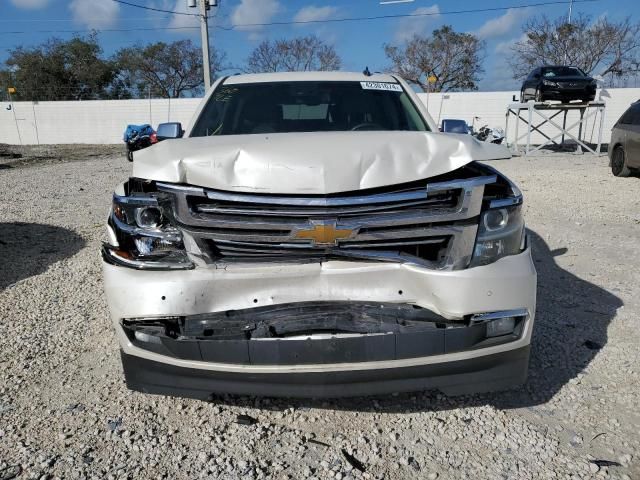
(149, 217)
(146, 239)
(500, 233)
(549, 83)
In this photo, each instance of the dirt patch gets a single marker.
(12, 156)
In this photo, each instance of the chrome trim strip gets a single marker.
(489, 316)
(171, 187)
(506, 202)
(289, 200)
(144, 201)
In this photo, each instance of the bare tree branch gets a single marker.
(601, 47)
(165, 69)
(296, 54)
(453, 58)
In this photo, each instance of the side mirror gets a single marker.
(451, 125)
(536, 76)
(169, 130)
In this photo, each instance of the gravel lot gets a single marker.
(65, 412)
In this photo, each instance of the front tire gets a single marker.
(619, 163)
(522, 97)
(130, 155)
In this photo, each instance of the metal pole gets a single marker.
(35, 121)
(15, 119)
(204, 31)
(428, 90)
(578, 147)
(601, 110)
(517, 137)
(569, 22)
(529, 120)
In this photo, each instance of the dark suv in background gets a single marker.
(624, 148)
(556, 82)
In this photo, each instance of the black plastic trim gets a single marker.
(499, 371)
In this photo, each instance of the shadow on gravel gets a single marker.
(27, 249)
(571, 327)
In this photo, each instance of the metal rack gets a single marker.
(534, 111)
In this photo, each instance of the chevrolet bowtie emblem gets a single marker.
(324, 233)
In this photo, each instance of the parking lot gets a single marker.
(65, 411)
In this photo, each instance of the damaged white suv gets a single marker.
(313, 235)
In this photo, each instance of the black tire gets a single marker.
(619, 163)
(130, 155)
(522, 97)
(538, 96)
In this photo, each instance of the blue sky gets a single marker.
(359, 44)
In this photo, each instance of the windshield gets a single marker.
(282, 107)
(562, 72)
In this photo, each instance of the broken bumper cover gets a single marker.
(201, 359)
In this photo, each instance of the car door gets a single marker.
(632, 137)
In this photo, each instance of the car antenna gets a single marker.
(366, 71)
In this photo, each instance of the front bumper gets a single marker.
(366, 364)
(499, 371)
(567, 94)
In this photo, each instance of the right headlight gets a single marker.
(143, 237)
(549, 83)
(500, 233)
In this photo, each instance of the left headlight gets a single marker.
(144, 236)
(501, 232)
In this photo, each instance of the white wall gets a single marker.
(104, 121)
(95, 121)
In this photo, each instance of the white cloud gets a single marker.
(30, 4)
(175, 21)
(504, 24)
(180, 21)
(504, 48)
(254, 11)
(312, 13)
(95, 14)
(410, 26)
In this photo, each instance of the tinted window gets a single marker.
(550, 72)
(631, 116)
(635, 120)
(454, 126)
(279, 107)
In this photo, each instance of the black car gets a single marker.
(557, 82)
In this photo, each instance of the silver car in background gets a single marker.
(624, 148)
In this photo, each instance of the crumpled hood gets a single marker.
(311, 163)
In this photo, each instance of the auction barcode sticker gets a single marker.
(390, 87)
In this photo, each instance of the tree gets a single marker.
(164, 69)
(453, 58)
(601, 47)
(60, 70)
(294, 55)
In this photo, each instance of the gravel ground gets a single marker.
(65, 412)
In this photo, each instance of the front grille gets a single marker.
(430, 224)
